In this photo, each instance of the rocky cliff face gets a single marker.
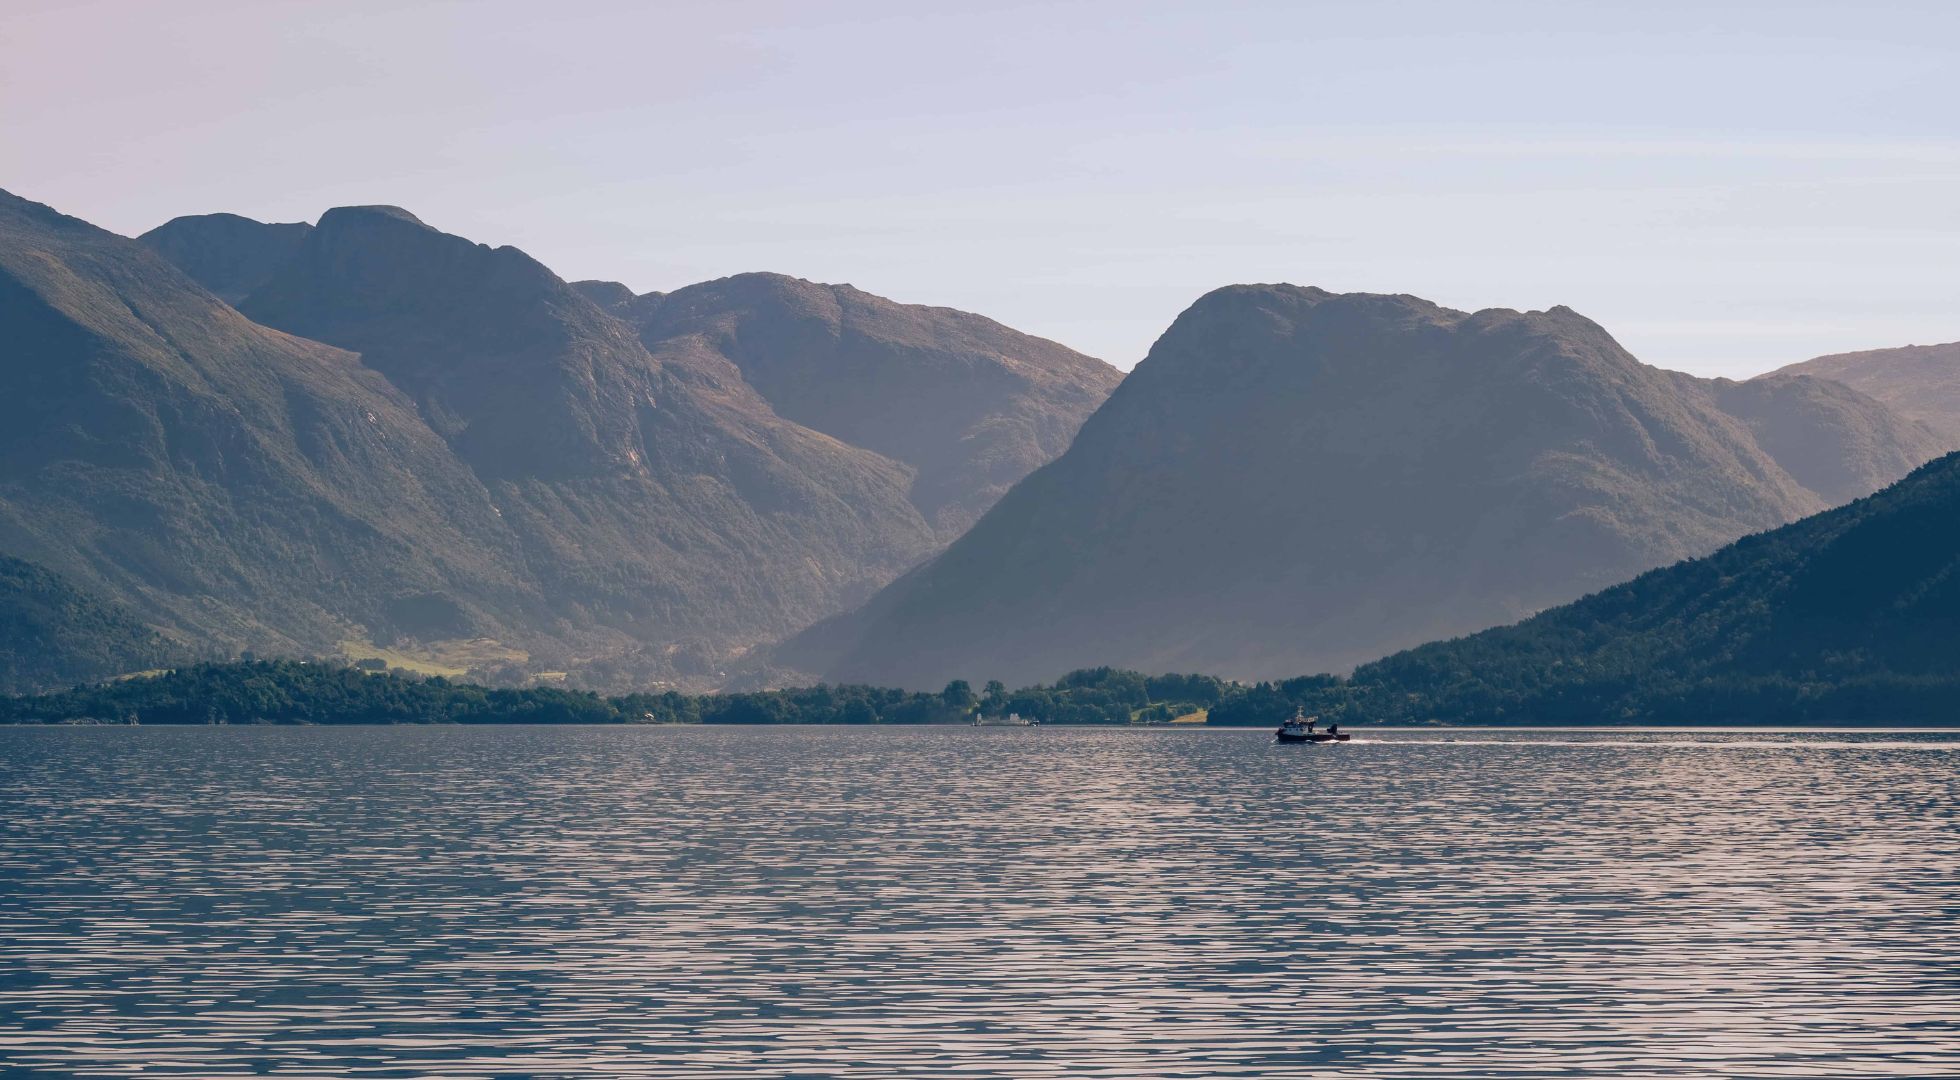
(1296, 481)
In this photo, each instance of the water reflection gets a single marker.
(994, 902)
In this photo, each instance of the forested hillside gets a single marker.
(1851, 616)
(52, 634)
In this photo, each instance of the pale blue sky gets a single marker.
(1726, 187)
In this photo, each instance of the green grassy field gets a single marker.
(452, 659)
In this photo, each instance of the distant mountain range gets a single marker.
(1918, 381)
(1849, 616)
(368, 436)
(415, 440)
(1297, 481)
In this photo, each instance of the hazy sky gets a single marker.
(1726, 187)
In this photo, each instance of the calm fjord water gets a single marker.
(998, 902)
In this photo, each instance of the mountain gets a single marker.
(414, 441)
(1850, 616)
(225, 253)
(969, 405)
(245, 488)
(1918, 381)
(53, 634)
(699, 471)
(660, 499)
(1833, 440)
(1296, 481)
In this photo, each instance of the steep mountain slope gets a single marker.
(972, 406)
(225, 253)
(1850, 616)
(662, 499)
(54, 635)
(1295, 481)
(1919, 381)
(244, 487)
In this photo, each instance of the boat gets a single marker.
(1010, 720)
(1299, 729)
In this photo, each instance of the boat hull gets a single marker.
(1318, 736)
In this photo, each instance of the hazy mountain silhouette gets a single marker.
(1829, 437)
(972, 406)
(1296, 481)
(225, 253)
(1918, 381)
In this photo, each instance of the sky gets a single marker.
(1726, 187)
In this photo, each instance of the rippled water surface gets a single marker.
(806, 902)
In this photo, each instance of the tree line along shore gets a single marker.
(294, 692)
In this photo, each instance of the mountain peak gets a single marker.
(376, 210)
(609, 295)
(229, 254)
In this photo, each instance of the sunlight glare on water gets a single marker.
(847, 902)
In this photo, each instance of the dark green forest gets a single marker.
(52, 634)
(319, 692)
(1851, 616)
